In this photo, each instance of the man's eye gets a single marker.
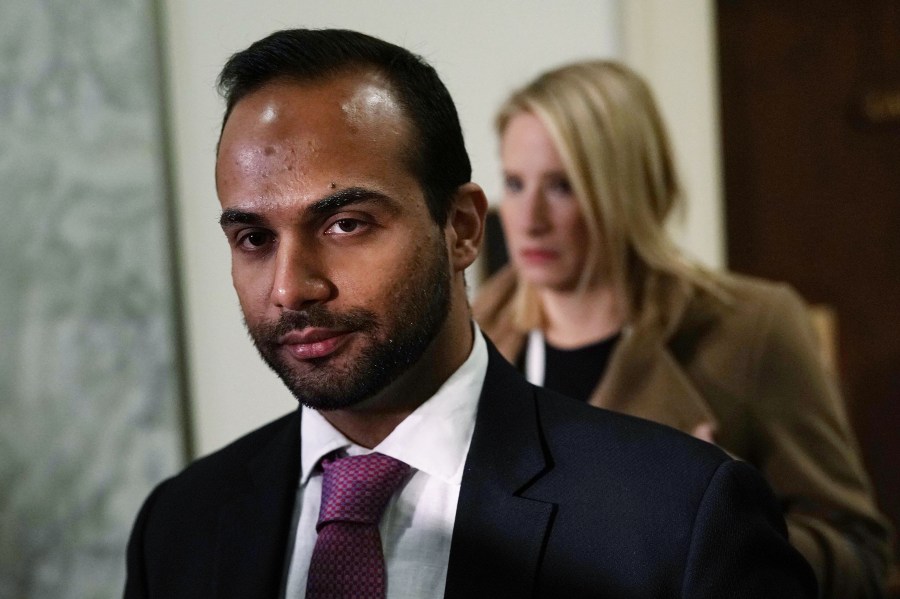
(344, 226)
(347, 225)
(254, 239)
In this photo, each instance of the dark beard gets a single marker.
(395, 344)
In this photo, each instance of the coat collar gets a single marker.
(643, 378)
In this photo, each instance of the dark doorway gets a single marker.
(810, 95)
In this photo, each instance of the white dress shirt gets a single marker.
(418, 522)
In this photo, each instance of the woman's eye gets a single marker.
(512, 184)
(560, 186)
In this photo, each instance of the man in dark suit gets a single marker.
(346, 201)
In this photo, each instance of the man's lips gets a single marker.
(313, 342)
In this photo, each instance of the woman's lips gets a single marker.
(538, 256)
(313, 343)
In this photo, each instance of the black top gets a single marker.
(575, 372)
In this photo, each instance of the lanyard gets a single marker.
(535, 358)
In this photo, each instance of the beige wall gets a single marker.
(672, 43)
(482, 50)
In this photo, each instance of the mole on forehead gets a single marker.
(288, 151)
(256, 158)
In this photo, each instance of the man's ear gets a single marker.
(465, 225)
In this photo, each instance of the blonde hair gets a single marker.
(614, 147)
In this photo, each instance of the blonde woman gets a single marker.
(600, 304)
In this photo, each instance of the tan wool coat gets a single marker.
(750, 369)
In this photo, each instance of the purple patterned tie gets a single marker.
(347, 561)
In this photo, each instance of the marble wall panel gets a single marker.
(90, 376)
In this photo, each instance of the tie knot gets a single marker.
(357, 488)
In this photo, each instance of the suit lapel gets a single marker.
(499, 534)
(254, 527)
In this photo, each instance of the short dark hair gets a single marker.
(437, 158)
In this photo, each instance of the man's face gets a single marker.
(342, 275)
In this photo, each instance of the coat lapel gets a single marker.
(254, 527)
(499, 534)
(644, 378)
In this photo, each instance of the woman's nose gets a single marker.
(535, 217)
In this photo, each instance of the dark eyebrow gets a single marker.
(232, 216)
(345, 197)
(327, 205)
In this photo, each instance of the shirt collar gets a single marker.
(435, 438)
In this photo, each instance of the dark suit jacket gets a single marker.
(558, 499)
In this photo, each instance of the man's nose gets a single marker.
(299, 279)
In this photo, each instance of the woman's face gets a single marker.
(545, 233)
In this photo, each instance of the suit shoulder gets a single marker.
(214, 471)
(576, 429)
